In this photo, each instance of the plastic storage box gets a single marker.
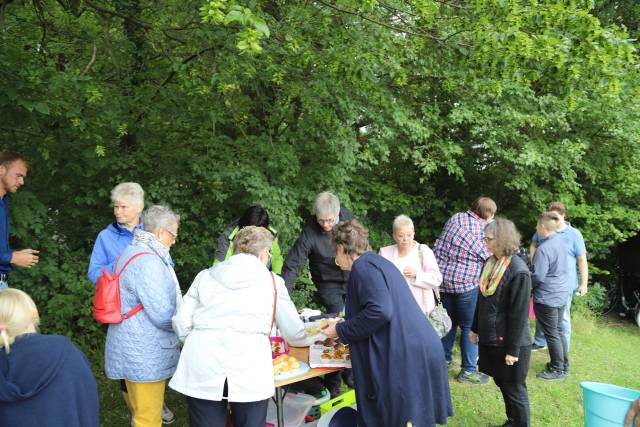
(295, 407)
(605, 405)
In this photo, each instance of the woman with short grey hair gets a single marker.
(416, 262)
(227, 315)
(142, 350)
(252, 241)
(128, 192)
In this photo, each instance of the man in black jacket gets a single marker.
(314, 244)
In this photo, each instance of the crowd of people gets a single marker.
(400, 364)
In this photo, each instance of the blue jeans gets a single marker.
(3, 284)
(461, 308)
(566, 326)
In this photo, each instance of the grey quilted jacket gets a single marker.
(144, 347)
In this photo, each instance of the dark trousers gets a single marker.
(461, 308)
(550, 319)
(333, 301)
(516, 402)
(213, 413)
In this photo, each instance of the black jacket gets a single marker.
(314, 244)
(502, 319)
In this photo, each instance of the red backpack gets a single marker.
(106, 299)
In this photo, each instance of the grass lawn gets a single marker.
(603, 350)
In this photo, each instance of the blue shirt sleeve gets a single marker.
(579, 247)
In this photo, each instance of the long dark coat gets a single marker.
(398, 362)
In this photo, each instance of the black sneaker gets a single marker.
(537, 347)
(566, 368)
(450, 365)
(472, 377)
(551, 375)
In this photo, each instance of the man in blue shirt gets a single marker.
(550, 286)
(13, 171)
(577, 256)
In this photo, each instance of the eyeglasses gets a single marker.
(326, 220)
(174, 235)
(488, 239)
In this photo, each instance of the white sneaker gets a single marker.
(167, 415)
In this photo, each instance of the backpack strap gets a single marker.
(138, 307)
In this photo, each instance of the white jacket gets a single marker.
(224, 321)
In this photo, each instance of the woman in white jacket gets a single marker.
(225, 321)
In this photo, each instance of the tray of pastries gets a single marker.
(329, 353)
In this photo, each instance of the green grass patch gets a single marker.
(603, 349)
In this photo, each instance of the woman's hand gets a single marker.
(410, 272)
(330, 330)
(510, 360)
(473, 337)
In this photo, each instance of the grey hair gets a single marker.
(401, 221)
(129, 191)
(158, 216)
(252, 240)
(326, 203)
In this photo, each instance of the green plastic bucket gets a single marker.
(605, 405)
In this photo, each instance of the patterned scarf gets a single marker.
(149, 240)
(492, 274)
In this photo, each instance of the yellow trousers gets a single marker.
(146, 401)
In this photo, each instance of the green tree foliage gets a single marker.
(399, 107)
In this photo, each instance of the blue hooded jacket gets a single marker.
(109, 245)
(5, 250)
(46, 381)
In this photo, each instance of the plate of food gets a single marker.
(285, 367)
(329, 353)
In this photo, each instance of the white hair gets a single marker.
(327, 203)
(131, 192)
(401, 221)
(159, 217)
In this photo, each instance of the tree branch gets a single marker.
(93, 59)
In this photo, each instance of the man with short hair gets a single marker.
(577, 255)
(461, 253)
(550, 286)
(314, 244)
(13, 170)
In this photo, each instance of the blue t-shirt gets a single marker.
(574, 242)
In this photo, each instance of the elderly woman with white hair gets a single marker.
(128, 202)
(416, 262)
(227, 316)
(143, 349)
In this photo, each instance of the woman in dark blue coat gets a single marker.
(398, 362)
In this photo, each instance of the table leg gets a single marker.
(279, 407)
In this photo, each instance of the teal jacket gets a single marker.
(225, 247)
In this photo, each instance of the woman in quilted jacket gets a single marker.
(143, 349)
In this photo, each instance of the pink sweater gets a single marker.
(428, 275)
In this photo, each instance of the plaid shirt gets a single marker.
(461, 252)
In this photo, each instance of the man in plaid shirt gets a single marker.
(461, 253)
